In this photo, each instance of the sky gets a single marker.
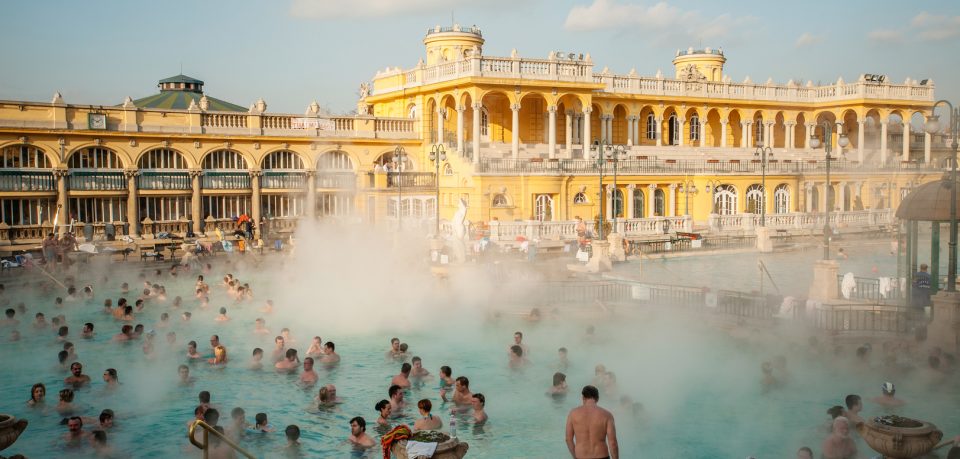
(291, 52)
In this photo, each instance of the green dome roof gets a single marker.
(177, 92)
(181, 78)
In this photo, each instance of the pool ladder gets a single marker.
(205, 444)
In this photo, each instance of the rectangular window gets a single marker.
(282, 206)
(222, 207)
(27, 211)
(96, 210)
(164, 209)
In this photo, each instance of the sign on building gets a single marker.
(313, 123)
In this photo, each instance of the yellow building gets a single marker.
(517, 133)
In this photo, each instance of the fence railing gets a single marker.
(96, 181)
(509, 166)
(239, 180)
(27, 180)
(867, 318)
(284, 180)
(411, 179)
(874, 290)
(163, 180)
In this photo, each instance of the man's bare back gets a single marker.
(589, 429)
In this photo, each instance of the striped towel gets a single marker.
(400, 432)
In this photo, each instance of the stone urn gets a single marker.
(449, 448)
(897, 437)
(10, 429)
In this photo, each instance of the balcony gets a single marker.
(79, 180)
(234, 180)
(337, 180)
(161, 180)
(24, 180)
(284, 180)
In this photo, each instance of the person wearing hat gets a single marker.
(888, 400)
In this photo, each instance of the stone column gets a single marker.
(906, 141)
(133, 217)
(628, 208)
(609, 128)
(460, 110)
(577, 129)
(826, 202)
(311, 193)
(768, 134)
(681, 122)
(926, 147)
(477, 113)
(883, 141)
(515, 132)
(723, 133)
(703, 131)
(806, 137)
(808, 188)
(440, 113)
(630, 126)
(790, 131)
(61, 176)
(569, 132)
(651, 191)
(672, 211)
(603, 128)
(196, 201)
(552, 131)
(608, 206)
(744, 134)
(255, 175)
(861, 125)
(842, 196)
(586, 132)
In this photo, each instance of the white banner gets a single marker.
(313, 123)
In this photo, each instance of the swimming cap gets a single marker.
(888, 387)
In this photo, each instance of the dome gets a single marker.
(177, 93)
(929, 202)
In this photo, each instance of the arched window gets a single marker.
(412, 113)
(224, 159)
(162, 158)
(580, 198)
(543, 210)
(755, 200)
(95, 158)
(335, 160)
(814, 199)
(758, 130)
(24, 156)
(781, 199)
(695, 127)
(639, 202)
(674, 130)
(651, 127)
(618, 203)
(484, 123)
(283, 159)
(500, 200)
(658, 203)
(725, 199)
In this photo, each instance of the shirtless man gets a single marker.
(559, 387)
(461, 391)
(478, 401)
(87, 332)
(518, 341)
(888, 400)
(396, 399)
(591, 431)
(75, 434)
(256, 361)
(854, 405)
(517, 360)
(125, 333)
(394, 353)
(77, 379)
(403, 378)
(290, 362)
(358, 434)
(330, 357)
(308, 376)
(279, 349)
(192, 353)
(418, 372)
(839, 445)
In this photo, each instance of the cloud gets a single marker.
(342, 9)
(808, 39)
(661, 18)
(886, 36)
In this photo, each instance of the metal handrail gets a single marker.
(205, 445)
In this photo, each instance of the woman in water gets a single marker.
(429, 421)
(110, 377)
(37, 393)
(446, 381)
(219, 356)
(262, 424)
(385, 408)
(256, 362)
(65, 405)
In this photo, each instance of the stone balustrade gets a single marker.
(798, 220)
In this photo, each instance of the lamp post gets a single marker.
(842, 141)
(603, 152)
(438, 154)
(763, 153)
(687, 187)
(400, 156)
(931, 126)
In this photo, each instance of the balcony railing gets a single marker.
(684, 166)
(96, 181)
(222, 180)
(411, 180)
(336, 180)
(290, 180)
(164, 180)
(27, 180)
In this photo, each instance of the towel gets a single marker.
(848, 285)
(417, 449)
(884, 284)
(400, 432)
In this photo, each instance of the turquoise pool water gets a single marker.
(700, 386)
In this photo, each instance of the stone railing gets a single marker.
(645, 165)
(93, 180)
(164, 180)
(27, 180)
(800, 220)
(581, 71)
(224, 120)
(291, 180)
(282, 224)
(151, 228)
(567, 229)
